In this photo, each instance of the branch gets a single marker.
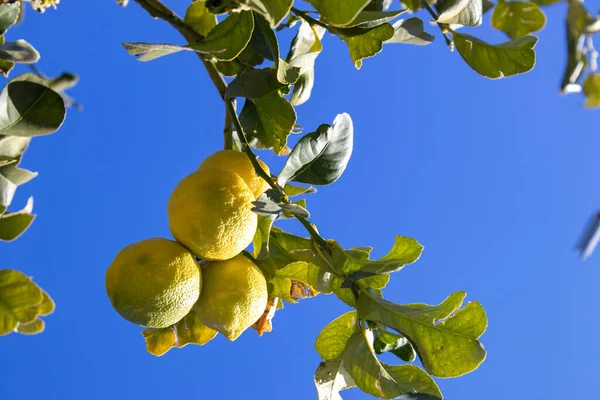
(158, 10)
(443, 27)
(304, 15)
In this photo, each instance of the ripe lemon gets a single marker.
(233, 297)
(154, 282)
(210, 213)
(238, 162)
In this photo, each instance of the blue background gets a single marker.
(495, 178)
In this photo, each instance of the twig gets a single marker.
(228, 130)
(308, 18)
(443, 27)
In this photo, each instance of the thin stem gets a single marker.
(228, 130)
(308, 18)
(443, 27)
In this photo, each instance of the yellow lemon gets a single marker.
(154, 282)
(238, 162)
(234, 296)
(210, 213)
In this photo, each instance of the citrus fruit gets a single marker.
(234, 296)
(238, 162)
(154, 282)
(210, 213)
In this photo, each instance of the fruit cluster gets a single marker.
(157, 282)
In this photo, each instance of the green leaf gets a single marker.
(261, 237)
(290, 283)
(18, 296)
(338, 13)
(12, 147)
(379, 5)
(256, 84)
(382, 380)
(410, 31)
(332, 340)
(591, 89)
(445, 336)
(331, 378)
(227, 40)
(286, 248)
(321, 157)
(187, 331)
(19, 52)
(412, 5)
(518, 19)
(364, 43)
(274, 11)
(31, 328)
(268, 122)
(13, 225)
(404, 252)
(296, 209)
(371, 19)
(265, 39)
(303, 53)
(28, 107)
(345, 294)
(546, 2)
(462, 12)
(395, 343)
(320, 276)
(497, 61)
(289, 189)
(199, 18)
(5, 66)
(9, 14)
(151, 51)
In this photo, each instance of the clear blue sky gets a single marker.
(495, 178)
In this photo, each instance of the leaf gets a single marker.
(286, 248)
(265, 39)
(379, 5)
(28, 107)
(295, 209)
(576, 21)
(255, 84)
(10, 178)
(290, 283)
(395, 343)
(11, 147)
(266, 207)
(187, 331)
(227, 40)
(410, 31)
(199, 18)
(332, 340)
(405, 251)
(261, 237)
(289, 189)
(371, 19)
(263, 324)
(18, 295)
(152, 51)
(19, 52)
(591, 89)
(345, 294)
(444, 336)
(412, 5)
(320, 157)
(268, 122)
(364, 43)
(331, 378)
(31, 328)
(338, 13)
(382, 380)
(462, 12)
(274, 11)
(497, 61)
(546, 2)
(9, 14)
(518, 19)
(13, 225)
(303, 53)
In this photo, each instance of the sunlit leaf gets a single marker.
(331, 378)
(410, 31)
(332, 340)
(227, 40)
(199, 18)
(19, 52)
(13, 225)
(187, 331)
(289, 189)
(321, 157)
(9, 14)
(31, 328)
(591, 89)
(518, 19)
(262, 235)
(445, 336)
(497, 61)
(382, 380)
(395, 343)
(290, 283)
(18, 296)
(303, 53)
(274, 11)
(151, 51)
(371, 19)
(339, 13)
(462, 12)
(28, 107)
(364, 43)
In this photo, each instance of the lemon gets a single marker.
(210, 213)
(154, 282)
(234, 296)
(239, 163)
